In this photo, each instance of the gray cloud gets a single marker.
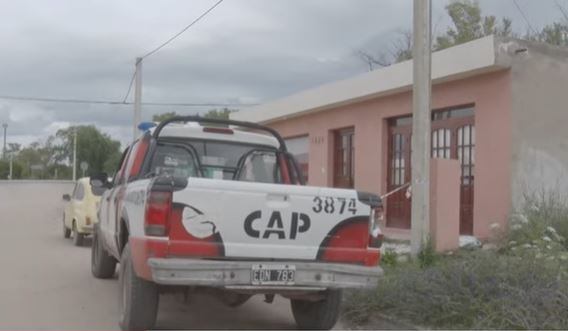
(244, 51)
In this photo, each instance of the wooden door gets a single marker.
(344, 158)
(466, 155)
(453, 137)
(398, 204)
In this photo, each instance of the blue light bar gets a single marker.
(145, 126)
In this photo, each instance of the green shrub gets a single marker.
(389, 258)
(478, 290)
(427, 256)
(543, 215)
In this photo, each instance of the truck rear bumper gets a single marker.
(234, 274)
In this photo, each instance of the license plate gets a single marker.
(273, 274)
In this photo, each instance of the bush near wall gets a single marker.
(523, 284)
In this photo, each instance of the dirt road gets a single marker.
(46, 282)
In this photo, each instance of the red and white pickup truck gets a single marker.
(198, 204)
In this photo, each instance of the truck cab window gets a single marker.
(261, 167)
(173, 160)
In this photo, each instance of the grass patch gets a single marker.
(521, 285)
(474, 290)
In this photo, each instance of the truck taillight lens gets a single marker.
(158, 210)
(375, 234)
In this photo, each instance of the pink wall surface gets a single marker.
(444, 204)
(491, 94)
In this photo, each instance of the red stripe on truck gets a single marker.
(348, 243)
(143, 248)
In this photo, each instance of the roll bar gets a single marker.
(199, 119)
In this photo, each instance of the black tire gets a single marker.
(66, 230)
(103, 264)
(77, 237)
(138, 297)
(317, 315)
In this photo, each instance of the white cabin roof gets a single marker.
(195, 131)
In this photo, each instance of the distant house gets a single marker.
(499, 107)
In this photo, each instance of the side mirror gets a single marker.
(66, 197)
(99, 183)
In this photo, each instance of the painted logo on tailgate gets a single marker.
(300, 223)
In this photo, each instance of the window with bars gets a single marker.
(344, 169)
(398, 167)
(466, 152)
(441, 143)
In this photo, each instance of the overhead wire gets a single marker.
(124, 100)
(182, 30)
(562, 10)
(121, 103)
(525, 17)
(155, 50)
(129, 87)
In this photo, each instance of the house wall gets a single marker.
(539, 76)
(491, 94)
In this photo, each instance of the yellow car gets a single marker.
(81, 211)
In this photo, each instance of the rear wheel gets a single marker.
(77, 237)
(317, 315)
(66, 230)
(138, 297)
(102, 263)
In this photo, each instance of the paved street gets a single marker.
(47, 283)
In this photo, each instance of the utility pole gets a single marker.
(74, 153)
(422, 54)
(137, 98)
(11, 165)
(5, 126)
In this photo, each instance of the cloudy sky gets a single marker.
(245, 51)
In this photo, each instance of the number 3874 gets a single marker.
(330, 205)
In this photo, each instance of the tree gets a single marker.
(219, 114)
(400, 50)
(222, 113)
(36, 158)
(554, 34)
(14, 148)
(164, 116)
(97, 149)
(5, 169)
(469, 24)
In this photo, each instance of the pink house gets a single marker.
(499, 130)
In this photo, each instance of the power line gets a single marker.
(524, 16)
(562, 9)
(121, 103)
(129, 87)
(183, 30)
(60, 100)
(124, 100)
(167, 42)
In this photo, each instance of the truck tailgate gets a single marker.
(243, 220)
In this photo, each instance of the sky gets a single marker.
(245, 51)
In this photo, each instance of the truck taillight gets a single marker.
(158, 210)
(375, 235)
